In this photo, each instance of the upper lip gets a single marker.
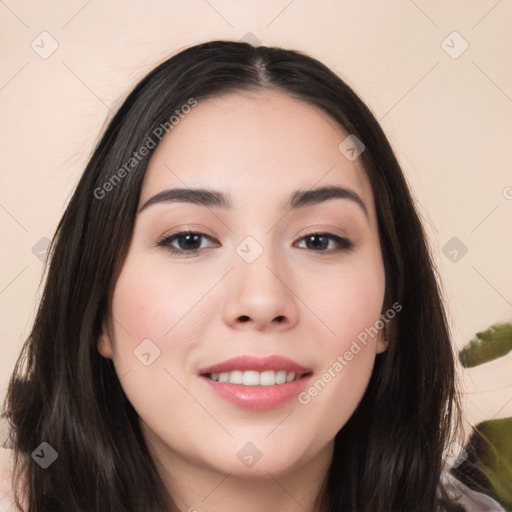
(259, 364)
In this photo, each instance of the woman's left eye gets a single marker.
(321, 241)
(189, 242)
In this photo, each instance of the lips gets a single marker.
(250, 382)
(257, 364)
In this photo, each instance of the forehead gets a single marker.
(252, 144)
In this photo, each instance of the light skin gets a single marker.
(206, 307)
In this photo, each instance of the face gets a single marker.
(243, 329)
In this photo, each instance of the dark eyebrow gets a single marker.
(302, 198)
(214, 198)
(199, 196)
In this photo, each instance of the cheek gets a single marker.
(349, 300)
(152, 301)
(151, 308)
(347, 360)
(350, 304)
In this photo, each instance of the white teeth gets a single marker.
(267, 378)
(280, 377)
(235, 377)
(253, 378)
(250, 378)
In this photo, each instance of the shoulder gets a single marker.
(471, 501)
(7, 503)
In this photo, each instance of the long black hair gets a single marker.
(389, 455)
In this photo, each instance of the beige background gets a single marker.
(448, 116)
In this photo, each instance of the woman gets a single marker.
(240, 309)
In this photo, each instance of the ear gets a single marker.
(105, 346)
(382, 342)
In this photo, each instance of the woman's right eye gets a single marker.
(187, 242)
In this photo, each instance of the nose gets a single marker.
(260, 295)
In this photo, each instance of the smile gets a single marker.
(250, 382)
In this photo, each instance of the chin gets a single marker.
(259, 458)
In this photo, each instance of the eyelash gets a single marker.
(344, 244)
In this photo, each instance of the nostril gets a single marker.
(244, 318)
(279, 318)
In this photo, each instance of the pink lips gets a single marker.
(257, 397)
(247, 363)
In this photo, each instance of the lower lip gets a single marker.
(257, 398)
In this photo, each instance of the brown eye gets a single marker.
(184, 242)
(319, 242)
